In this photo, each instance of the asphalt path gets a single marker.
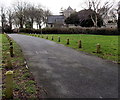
(66, 73)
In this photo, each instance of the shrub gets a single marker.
(97, 31)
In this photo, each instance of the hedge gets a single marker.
(96, 31)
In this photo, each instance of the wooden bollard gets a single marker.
(11, 51)
(46, 37)
(9, 85)
(98, 48)
(9, 39)
(59, 39)
(11, 43)
(52, 38)
(79, 44)
(68, 42)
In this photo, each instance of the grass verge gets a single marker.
(24, 85)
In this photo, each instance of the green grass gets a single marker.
(109, 44)
(0, 48)
(0, 63)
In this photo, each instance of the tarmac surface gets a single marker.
(66, 73)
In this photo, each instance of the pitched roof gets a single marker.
(55, 19)
(69, 8)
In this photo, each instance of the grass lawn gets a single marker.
(24, 85)
(109, 44)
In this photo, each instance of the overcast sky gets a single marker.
(53, 5)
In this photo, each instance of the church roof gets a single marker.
(55, 19)
(69, 8)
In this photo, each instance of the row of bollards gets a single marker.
(98, 47)
(9, 74)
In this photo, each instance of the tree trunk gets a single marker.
(2, 27)
(32, 21)
(94, 20)
(10, 23)
(39, 26)
(21, 22)
(118, 22)
(10, 26)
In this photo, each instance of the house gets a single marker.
(55, 21)
(110, 22)
(67, 12)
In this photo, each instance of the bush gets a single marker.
(97, 31)
(8, 30)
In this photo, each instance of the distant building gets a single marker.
(67, 12)
(110, 18)
(55, 21)
(109, 22)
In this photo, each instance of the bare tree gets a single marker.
(10, 17)
(15, 20)
(19, 12)
(30, 14)
(118, 24)
(25, 14)
(46, 14)
(99, 9)
(39, 16)
(3, 19)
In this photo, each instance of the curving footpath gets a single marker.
(66, 73)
